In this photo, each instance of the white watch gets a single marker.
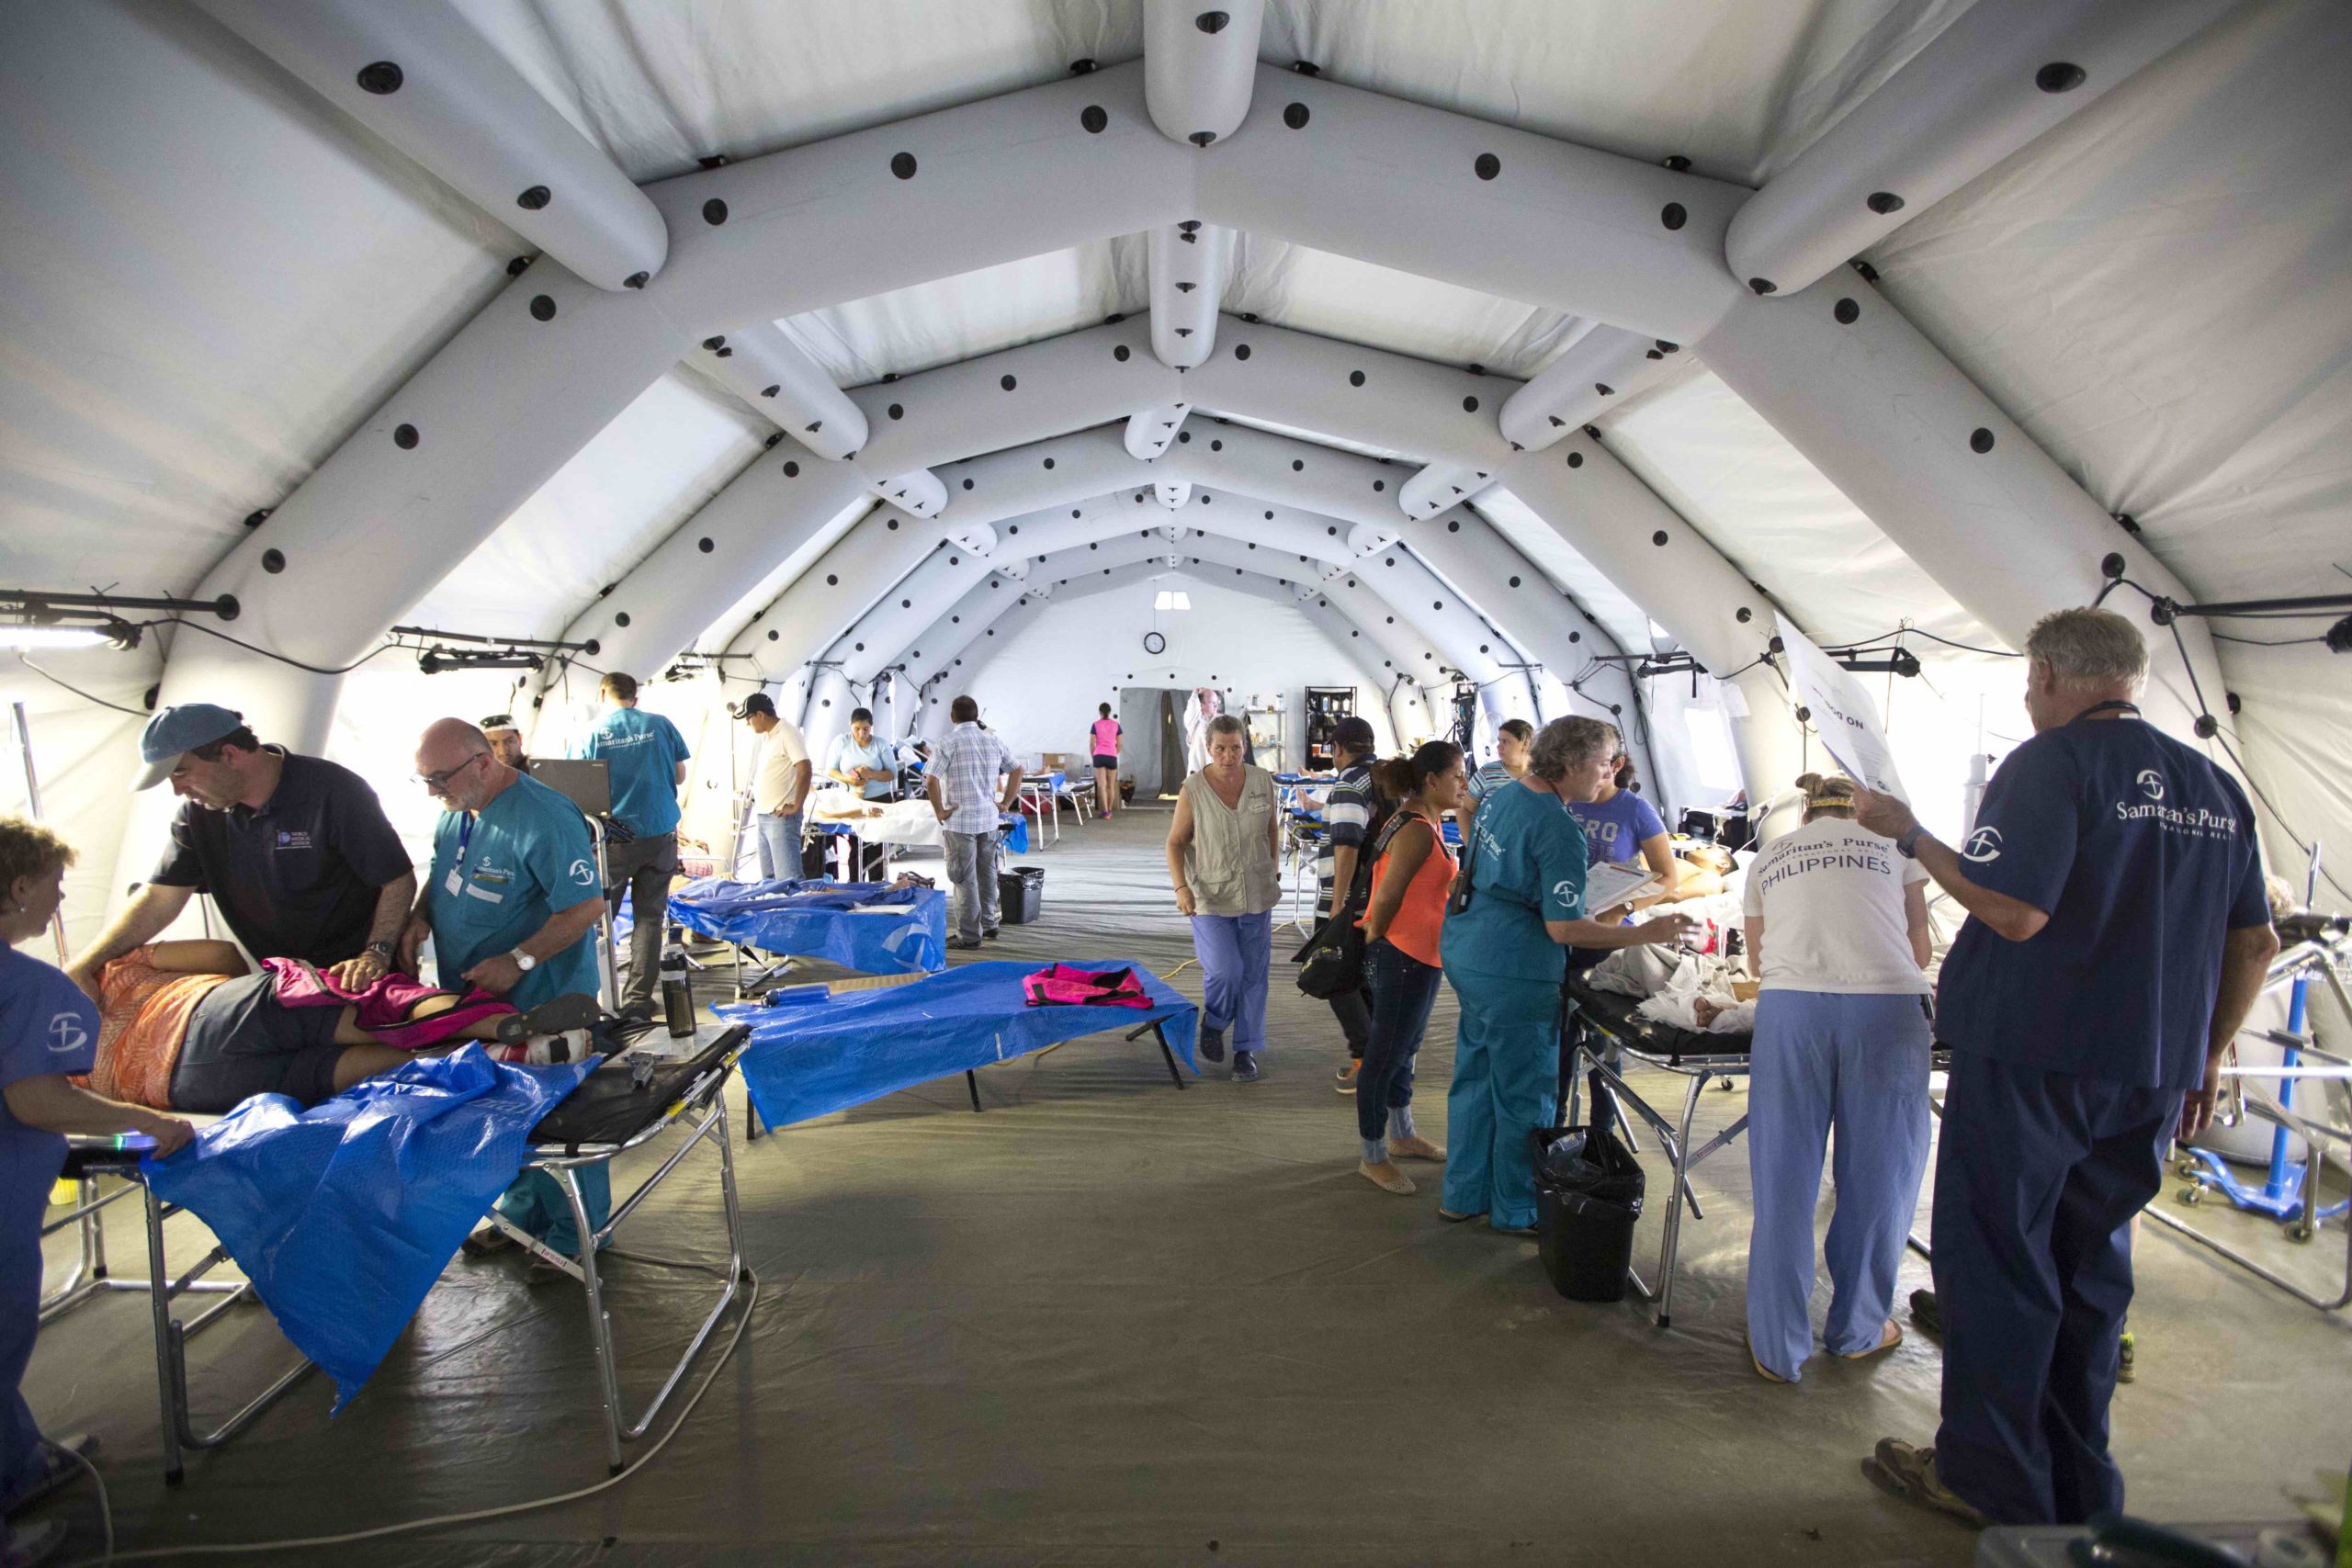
(524, 961)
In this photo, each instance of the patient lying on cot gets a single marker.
(186, 1026)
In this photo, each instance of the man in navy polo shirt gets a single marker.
(2116, 936)
(295, 851)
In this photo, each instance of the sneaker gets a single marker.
(1345, 1078)
(1212, 1045)
(1417, 1149)
(1926, 1313)
(2123, 1373)
(1245, 1066)
(963, 944)
(57, 1466)
(487, 1242)
(1910, 1473)
(1387, 1178)
(990, 934)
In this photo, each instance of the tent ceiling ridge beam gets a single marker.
(1599, 371)
(1189, 262)
(2003, 74)
(1200, 64)
(775, 377)
(1149, 431)
(423, 78)
(827, 599)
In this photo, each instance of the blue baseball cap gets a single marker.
(178, 730)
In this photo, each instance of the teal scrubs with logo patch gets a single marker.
(642, 752)
(1526, 864)
(499, 877)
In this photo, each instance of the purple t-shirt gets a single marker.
(1615, 829)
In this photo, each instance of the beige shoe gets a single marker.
(1887, 1340)
(1415, 1148)
(1387, 1178)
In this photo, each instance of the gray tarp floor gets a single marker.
(1108, 1322)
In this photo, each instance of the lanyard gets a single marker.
(465, 838)
(2115, 705)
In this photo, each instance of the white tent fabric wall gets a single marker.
(190, 336)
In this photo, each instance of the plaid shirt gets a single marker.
(970, 761)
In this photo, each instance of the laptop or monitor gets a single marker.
(588, 784)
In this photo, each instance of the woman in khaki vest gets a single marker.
(1222, 851)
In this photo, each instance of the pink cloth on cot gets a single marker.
(384, 1009)
(1060, 986)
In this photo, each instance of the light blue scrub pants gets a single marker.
(1235, 953)
(1858, 1063)
(1506, 1081)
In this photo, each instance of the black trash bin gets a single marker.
(1020, 892)
(1589, 1191)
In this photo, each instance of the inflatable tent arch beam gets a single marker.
(504, 405)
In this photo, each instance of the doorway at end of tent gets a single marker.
(1152, 719)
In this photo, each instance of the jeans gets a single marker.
(643, 868)
(971, 879)
(1403, 990)
(1235, 953)
(1858, 1063)
(779, 845)
(2036, 1183)
(1505, 1078)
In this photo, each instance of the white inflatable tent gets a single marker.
(872, 353)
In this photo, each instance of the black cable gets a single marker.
(135, 713)
(269, 653)
(2266, 642)
(1901, 632)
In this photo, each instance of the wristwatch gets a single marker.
(1907, 846)
(383, 950)
(524, 961)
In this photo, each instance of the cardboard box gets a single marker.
(1746, 989)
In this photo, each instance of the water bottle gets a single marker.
(677, 993)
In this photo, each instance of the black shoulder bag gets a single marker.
(1330, 963)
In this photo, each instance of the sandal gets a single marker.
(1887, 1341)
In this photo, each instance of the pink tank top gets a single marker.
(1106, 736)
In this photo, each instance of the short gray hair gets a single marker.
(1225, 724)
(1566, 743)
(2086, 648)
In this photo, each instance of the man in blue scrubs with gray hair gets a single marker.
(2116, 936)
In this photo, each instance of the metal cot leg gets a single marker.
(169, 1388)
(1670, 1252)
(600, 1327)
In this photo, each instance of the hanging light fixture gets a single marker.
(1172, 599)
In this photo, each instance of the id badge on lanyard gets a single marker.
(455, 881)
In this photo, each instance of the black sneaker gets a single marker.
(988, 935)
(963, 944)
(1212, 1045)
(1927, 1312)
(1245, 1066)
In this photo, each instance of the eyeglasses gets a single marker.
(441, 780)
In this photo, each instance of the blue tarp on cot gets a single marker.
(814, 920)
(827, 1055)
(342, 1215)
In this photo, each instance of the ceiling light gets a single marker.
(29, 637)
(1172, 599)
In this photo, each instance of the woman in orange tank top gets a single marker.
(1412, 875)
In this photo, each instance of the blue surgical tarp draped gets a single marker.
(809, 1059)
(864, 926)
(342, 1215)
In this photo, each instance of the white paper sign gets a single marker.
(1843, 714)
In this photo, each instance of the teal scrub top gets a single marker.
(1527, 865)
(500, 876)
(642, 752)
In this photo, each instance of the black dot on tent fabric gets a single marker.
(1763, 285)
(273, 562)
(1514, 583)
(405, 437)
(1980, 440)
(903, 165)
(1007, 382)
(1484, 648)
(1392, 620)
(621, 619)
(1120, 354)
(1469, 405)
(1379, 485)
(1094, 120)
(771, 389)
(1743, 615)
(893, 524)
(831, 580)
(1204, 501)
(635, 280)
(1355, 377)
(1575, 459)
(1298, 465)
(905, 603)
(713, 213)
(1240, 351)
(1673, 215)
(792, 470)
(1269, 517)
(897, 411)
(1211, 21)
(1658, 539)
(968, 484)
(1392, 561)
(715, 343)
(1437, 604)
(1201, 139)
(533, 198)
(1050, 463)
(1845, 312)
(1294, 116)
(1183, 437)
(705, 545)
(773, 635)
(2060, 76)
(861, 648)
(1453, 528)
(543, 307)
(958, 560)
(1884, 202)
(382, 78)
(1487, 166)
(1652, 354)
